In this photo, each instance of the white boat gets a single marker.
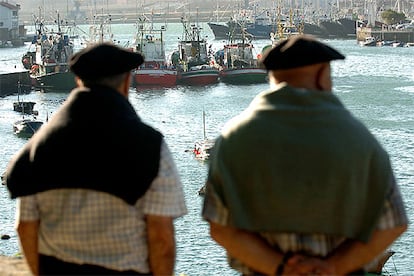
(398, 44)
(369, 41)
(202, 149)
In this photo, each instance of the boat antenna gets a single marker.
(204, 124)
(58, 22)
(18, 91)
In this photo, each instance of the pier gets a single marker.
(385, 34)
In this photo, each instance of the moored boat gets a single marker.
(249, 75)
(220, 31)
(155, 71)
(239, 64)
(25, 128)
(199, 75)
(369, 41)
(195, 58)
(261, 26)
(48, 62)
(25, 107)
(164, 77)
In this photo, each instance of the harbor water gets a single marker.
(375, 83)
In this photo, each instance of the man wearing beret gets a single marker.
(97, 188)
(296, 184)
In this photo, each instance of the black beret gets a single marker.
(103, 60)
(298, 51)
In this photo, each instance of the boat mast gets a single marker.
(198, 30)
(58, 22)
(204, 125)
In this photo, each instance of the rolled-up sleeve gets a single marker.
(393, 213)
(165, 197)
(27, 208)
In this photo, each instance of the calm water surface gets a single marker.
(376, 84)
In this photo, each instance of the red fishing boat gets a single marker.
(155, 71)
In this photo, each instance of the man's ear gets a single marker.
(78, 81)
(124, 89)
(323, 77)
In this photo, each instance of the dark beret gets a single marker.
(103, 60)
(297, 51)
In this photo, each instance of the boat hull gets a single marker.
(15, 82)
(231, 29)
(25, 128)
(199, 77)
(220, 31)
(155, 77)
(60, 81)
(243, 76)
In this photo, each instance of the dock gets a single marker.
(385, 34)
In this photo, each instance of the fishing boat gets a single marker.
(195, 66)
(26, 127)
(155, 71)
(48, 62)
(25, 107)
(239, 63)
(261, 24)
(220, 30)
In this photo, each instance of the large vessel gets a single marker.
(239, 63)
(155, 71)
(261, 28)
(195, 58)
(48, 61)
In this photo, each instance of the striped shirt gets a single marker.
(92, 227)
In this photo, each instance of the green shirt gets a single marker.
(298, 161)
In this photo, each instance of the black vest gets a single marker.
(95, 141)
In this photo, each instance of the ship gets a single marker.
(341, 28)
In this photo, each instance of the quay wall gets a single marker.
(386, 35)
